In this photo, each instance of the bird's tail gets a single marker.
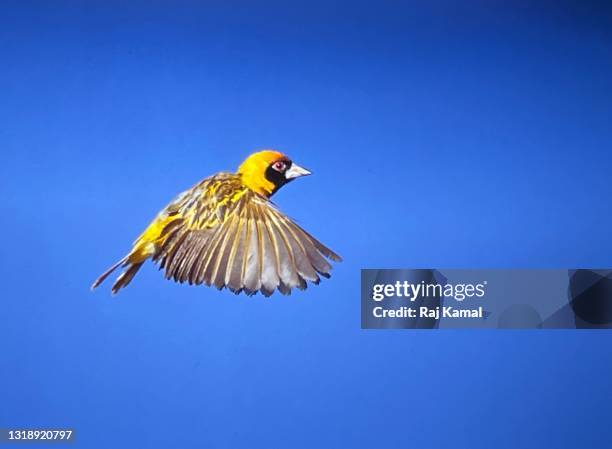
(125, 277)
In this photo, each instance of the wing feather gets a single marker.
(235, 267)
(174, 255)
(218, 274)
(315, 259)
(301, 264)
(269, 260)
(210, 255)
(239, 240)
(193, 241)
(252, 273)
(192, 275)
(287, 269)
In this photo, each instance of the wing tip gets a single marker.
(335, 257)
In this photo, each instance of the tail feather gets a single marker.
(104, 275)
(126, 277)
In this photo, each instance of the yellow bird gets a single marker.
(226, 232)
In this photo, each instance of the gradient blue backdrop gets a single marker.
(440, 135)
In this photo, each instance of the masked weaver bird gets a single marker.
(225, 232)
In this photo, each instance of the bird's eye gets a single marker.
(279, 166)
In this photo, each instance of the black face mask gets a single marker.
(276, 177)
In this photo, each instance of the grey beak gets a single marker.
(295, 171)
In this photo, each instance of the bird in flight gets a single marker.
(225, 232)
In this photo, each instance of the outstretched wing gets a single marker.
(239, 240)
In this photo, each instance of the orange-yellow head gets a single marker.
(266, 171)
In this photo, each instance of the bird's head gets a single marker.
(266, 171)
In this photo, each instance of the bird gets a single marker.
(226, 232)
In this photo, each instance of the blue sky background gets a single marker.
(440, 135)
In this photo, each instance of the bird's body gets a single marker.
(226, 232)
